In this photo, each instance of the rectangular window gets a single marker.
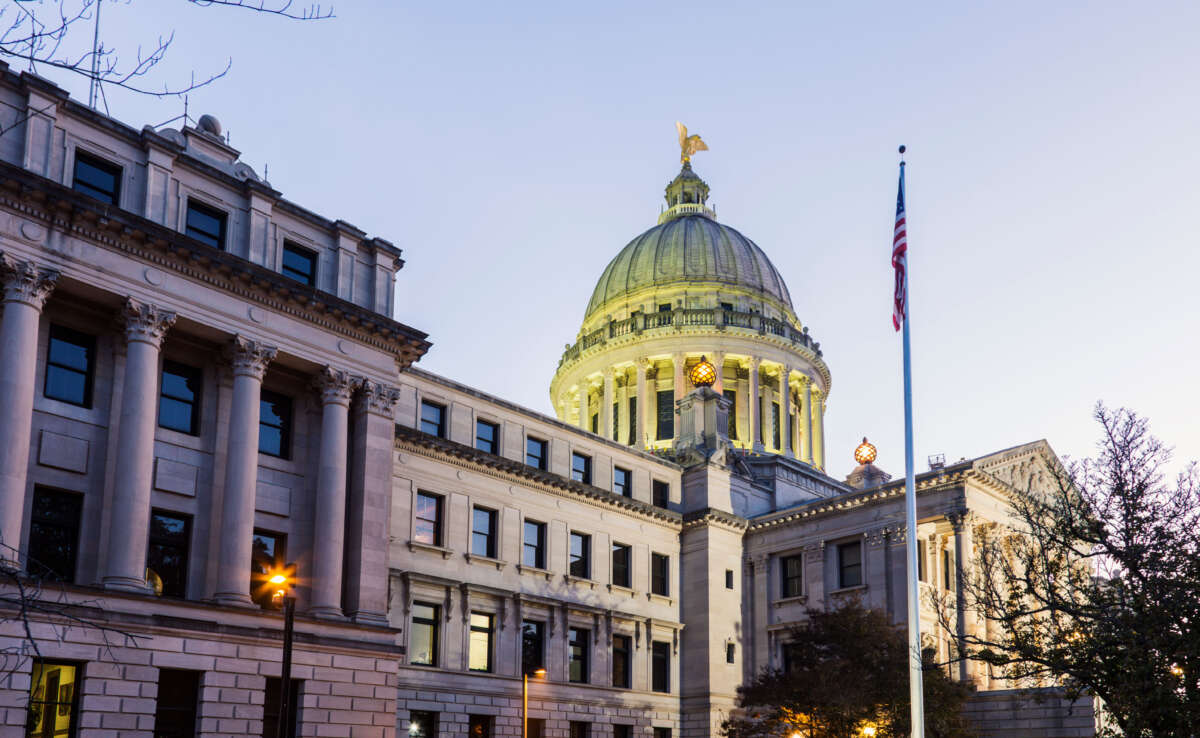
(791, 568)
(581, 467)
(422, 724)
(660, 574)
(533, 552)
(729, 579)
(595, 422)
(428, 526)
(178, 694)
(535, 728)
(53, 699)
(533, 654)
(622, 731)
(167, 553)
(268, 553)
(275, 425)
(730, 653)
(664, 307)
(662, 733)
(731, 395)
(487, 437)
(479, 726)
(660, 666)
(622, 482)
(921, 561)
(70, 363)
(666, 415)
(97, 178)
(179, 398)
(299, 264)
(616, 421)
(727, 307)
(622, 556)
(791, 657)
(206, 225)
(661, 493)
(579, 729)
(578, 645)
(622, 661)
(581, 555)
(423, 636)
(849, 564)
(947, 570)
(775, 425)
(481, 641)
(633, 421)
(272, 706)
(483, 532)
(433, 419)
(54, 534)
(535, 453)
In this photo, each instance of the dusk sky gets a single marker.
(512, 149)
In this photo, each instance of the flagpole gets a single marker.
(915, 686)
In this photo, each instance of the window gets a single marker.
(622, 731)
(167, 553)
(791, 568)
(53, 699)
(921, 561)
(662, 733)
(661, 493)
(729, 579)
(179, 398)
(581, 468)
(483, 532)
(532, 646)
(579, 729)
(175, 713)
(535, 453)
(535, 727)
(616, 421)
(275, 425)
(850, 564)
(299, 263)
(727, 307)
(660, 574)
(664, 307)
(433, 419)
(70, 361)
(479, 726)
(947, 570)
(268, 552)
(622, 661)
(272, 707)
(731, 395)
(633, 420)
(533, 549)
(487, 437)
(422, 724)
(730, 653)
(54, 534)
(622, 556)
(666, 415)
(775, 425)
(423, 636)
(622, 482)
(428, 525)
(577, 655)
(206, 225)
(481, 642)
(660, 666)
(581, 555)
(595, 422)
(97, 178)
(791, 657)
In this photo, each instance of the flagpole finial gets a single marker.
(902, 150)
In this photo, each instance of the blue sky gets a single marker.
(511, 149)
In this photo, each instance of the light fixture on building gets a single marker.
(865, 453)
(703, 374)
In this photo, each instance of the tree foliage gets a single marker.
(1096, 585)
(849, 670)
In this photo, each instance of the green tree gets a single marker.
(848, 671)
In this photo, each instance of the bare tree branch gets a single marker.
(281, 7)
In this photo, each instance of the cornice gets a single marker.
(719, 518)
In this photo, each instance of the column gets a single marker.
(957, 520)
(643, 404)
(585, 420)
(807, 413)
(718, 361)
(329, 528)
(249, 360)
(755, 407)
(819, 409)
(145, 327)
(26, 287)
(623, 403)
(678, 360)
(606, 423)
(785, 410)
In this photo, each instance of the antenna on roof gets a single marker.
(937, 462)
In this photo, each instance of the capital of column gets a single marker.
(25, 281)
(755, 363)
(957, 520)
(803, 380)
(379, 398)
(334, 386)
(249, 357)
(145, 322)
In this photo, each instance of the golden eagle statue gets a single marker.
(688, 145)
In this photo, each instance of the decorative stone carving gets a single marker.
(957, 520)
(380, 398)
(25, 281)
(145, 322)
(334, 386)
(248, 357)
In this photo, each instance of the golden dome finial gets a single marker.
(865, 453)
(703, 374)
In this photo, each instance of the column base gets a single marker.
(364, 617)
(234, 599)
(127, 584)
(326, 613)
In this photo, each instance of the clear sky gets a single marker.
(511, 149)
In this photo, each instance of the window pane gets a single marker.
(579, 642)
(534, 551)
(54, 534)
(731, 395)
(581, 468)
(485, 436)
(422, 724)
(69, 361)
(580, 555)
(666, 415)
(175, 711)
(481, 642)
(620, 564)
(53, 696)
(268, 552)
(69, 351)
(178, 407)
(660, 575)
(621, 485)
(660, 658)
(97, 178)
(428, 524)
(535, 453)
(532, 652)
(850, 564)
(272, 706)
(275, 424)
(167, 553)
(432, 419)
(662, 494)
(299, 264)
(483, 538)
(423, 636)
(621, 663)
(206, 225)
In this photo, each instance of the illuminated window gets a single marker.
(423, 636)
(206, 224)
(622, 661)
(792, 570)
(479, 726)
(581, 468)
(622, 555)
(481, 642)
(533, 552)
(53, 699)
(422, 724)
(299, 264)
(428, 526)
(581, 555)
(622, 482)
(487, 437)
(70, 363)
(54, 534)
(578, 646)
(660, 574)
(535, 453)
(167, 553)
(483, 532)
(179, 398)
(433, 419)
(849, 564)
(97, 178)
(275, 425)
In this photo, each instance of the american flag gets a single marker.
(900, 259)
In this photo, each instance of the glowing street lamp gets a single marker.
(280, 581)
(540, 674)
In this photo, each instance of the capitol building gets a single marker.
(203, 383)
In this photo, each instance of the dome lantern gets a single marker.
(866, 452)
(703, 374)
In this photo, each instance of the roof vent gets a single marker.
(209, 124)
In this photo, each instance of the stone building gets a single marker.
(201, 384)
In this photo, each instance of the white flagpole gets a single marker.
(915, 686)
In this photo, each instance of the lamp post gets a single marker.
(539, 673)
(280, 582)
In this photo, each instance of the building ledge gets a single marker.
(486, 560)
(534, 571)
(618, 589)
(582, 581)
(430, 548)
(785, 601)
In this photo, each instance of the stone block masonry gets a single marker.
(1032, 714)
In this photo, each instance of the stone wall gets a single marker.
(1030, 714)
